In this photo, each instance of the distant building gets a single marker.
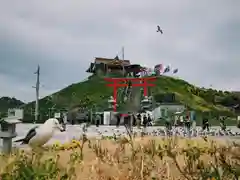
(15, 112)
(164, 108)
(106, 65)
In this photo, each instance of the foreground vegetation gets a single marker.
(126, 158)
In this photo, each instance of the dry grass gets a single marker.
(108, 169)
(128, 158)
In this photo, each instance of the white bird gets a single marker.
(40, 135)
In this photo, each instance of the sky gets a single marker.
(200, 38)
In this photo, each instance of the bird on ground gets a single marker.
(159, 29)
(205, 138)
(40, 135)
(235, 106)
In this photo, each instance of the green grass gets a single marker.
(183, 92)
(94, 92)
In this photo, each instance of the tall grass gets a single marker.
(126, 158)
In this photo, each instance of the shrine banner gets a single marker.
(147, 72)
(158, 69)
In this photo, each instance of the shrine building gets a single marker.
(115, 65)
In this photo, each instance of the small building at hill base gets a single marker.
(163, 109)
(15, 113)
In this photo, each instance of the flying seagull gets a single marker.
(159, 29)
(39, 135)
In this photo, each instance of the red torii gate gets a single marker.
(116, 84)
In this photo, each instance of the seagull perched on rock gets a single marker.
(40, 135)
(159, 29)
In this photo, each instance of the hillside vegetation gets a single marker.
(93, 93)
(7, 102)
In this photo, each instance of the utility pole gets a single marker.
(123, 53)
(123, 61)
(37, 94)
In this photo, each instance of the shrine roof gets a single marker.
(111, 60)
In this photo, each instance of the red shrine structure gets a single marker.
(117, 83)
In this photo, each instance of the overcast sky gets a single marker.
(201, 38)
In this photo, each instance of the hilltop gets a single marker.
(93, 93)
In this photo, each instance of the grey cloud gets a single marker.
(200, 38)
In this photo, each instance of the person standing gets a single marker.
(98, 120)
(118, 116)
(194, 123)
(145, 120)
(238, 122)
(65, 118)
(149, 119)
(205, 124)
(128, 121)
(134, 119)
(188, 123)
(168, 125)
(222, 123)
(139, 120)
(181, 121)
(176, 120)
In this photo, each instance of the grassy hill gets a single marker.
(94, 93)
(195, 98)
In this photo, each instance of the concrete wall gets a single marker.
(173, 107)
(158, 112)
(106, 117)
